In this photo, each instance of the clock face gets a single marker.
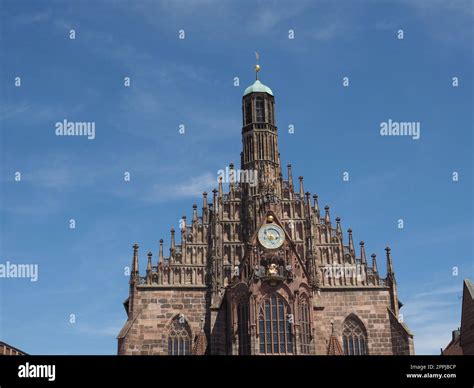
(271, 236)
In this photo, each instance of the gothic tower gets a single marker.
(259, 134)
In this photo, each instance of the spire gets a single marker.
(172, 247)
(301, 187)
(160, 254)
(374, 262)
(338, 227)
(200, 344)
(316, 205)
(351, 241)
(134, 279)
(394, 302)
(363, 260)
(214, 201)
(290, 177)
(221, 191)
(308, 203)
(327, 217)
(204, 208)
(183, 230)
(134, 273)
(149, 268)
(195, 213)
(389, 262)
(334, 347)
(257, 66)
(232, 179)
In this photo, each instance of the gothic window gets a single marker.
(179, 338)
(248, 111)
(275, 334)
(305, 326)
(243, 326)
(273, 148)
(260, 109)
(354, 337)
(188, 276)
(269, 110)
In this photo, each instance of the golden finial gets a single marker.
(257, 66)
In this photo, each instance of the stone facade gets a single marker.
(155, 311)
(262, 270)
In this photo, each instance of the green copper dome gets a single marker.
(258, 87)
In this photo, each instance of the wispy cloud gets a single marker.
(10, 110)
(431, 315)
(329, 31)
(35, 17)
(62, 172)
(192, 186)
(37, 112)
(101, 330)
(440, 291)
(431, 339)
(465, 7)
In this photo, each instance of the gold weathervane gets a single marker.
(257, 66)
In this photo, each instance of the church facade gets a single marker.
(262, 270)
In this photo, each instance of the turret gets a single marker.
(183, 242)
(301, 188)
(338, 228)
(232, 180)
(134, 272)
(134, 278)
(316, 205)
(291, 188)
(149, 268)
(160, 254)
(374, 263)
(205, 209)
(390, 272)
(173, 243)
(362, 253)
(215, 206)
(374, 269)
(327, 217)
(392, 283)
(308, 204)
(351, 242)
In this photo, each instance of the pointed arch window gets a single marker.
(243, 325)
(305, 325)
(354, 337)
(248, 111)
(269, 112)
(179, 337)
(259, 110)
(275, 331)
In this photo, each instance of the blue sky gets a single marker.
(191, 82)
